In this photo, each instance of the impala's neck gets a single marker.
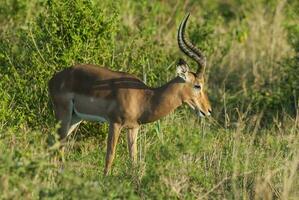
(164, 100)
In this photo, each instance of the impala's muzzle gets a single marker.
(199, 111)
(203, 114)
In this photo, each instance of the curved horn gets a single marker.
(189, 49)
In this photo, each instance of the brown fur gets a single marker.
(95, 93)
(122, 99)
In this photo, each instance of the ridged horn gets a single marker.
(189, 49)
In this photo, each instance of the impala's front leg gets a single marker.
(114, 132)
(132, 143)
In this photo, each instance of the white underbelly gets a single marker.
(89, 117)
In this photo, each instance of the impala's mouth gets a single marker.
(198, 111)
(201, 114)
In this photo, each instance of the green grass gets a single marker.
(178, 158)
(249, 149)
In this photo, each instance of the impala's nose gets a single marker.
(209, 112)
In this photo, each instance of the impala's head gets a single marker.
(194, 94)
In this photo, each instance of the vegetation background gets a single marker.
(249, 149)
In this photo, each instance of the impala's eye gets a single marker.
(198, 87)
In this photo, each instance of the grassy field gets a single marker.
(248, 149)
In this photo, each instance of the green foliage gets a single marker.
(64, 34)
(186, 163)
(249, 149)
(74, 31)
(283, 94)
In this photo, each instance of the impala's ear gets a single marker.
(182, 70)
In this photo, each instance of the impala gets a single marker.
(93, 93)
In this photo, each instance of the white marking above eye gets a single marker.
(196, 91)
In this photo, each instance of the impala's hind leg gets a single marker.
(114, 132)
(132, 144)
(63, 108)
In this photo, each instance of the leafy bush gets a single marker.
(252, 77)
(64, 34)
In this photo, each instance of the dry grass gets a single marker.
(230, 156)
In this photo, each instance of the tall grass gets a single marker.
(247, 150)
(192, 160)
